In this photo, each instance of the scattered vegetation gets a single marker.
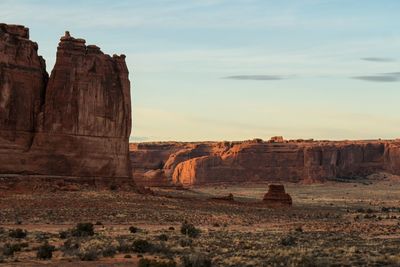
(196, 260)
(163, 237)
(109, 251)
(90, 255)
(288, 241)
(10, 249)
(83, 229)
(134, 229)
(142, 246)
(45, 252)
(17, 233)
(190, 230)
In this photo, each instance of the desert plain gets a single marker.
(346, 223)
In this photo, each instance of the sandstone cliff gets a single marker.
(259, 161)
(23, 79)
(76, 123)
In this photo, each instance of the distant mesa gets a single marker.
(276, 196)
(278, 160)
(75, 123)
(277, 139)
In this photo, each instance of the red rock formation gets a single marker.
(276, 196)
(392, 158)
(77, 124)
(149, 160)
(23, 80)
(153, 164)
(291, 161)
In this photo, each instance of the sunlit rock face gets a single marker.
(258, 161)
(75, 123)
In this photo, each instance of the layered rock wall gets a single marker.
(258, 161)
(76, 123)
(23, 79)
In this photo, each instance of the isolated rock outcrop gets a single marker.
(305, 161)
(276, 196)
(76, 123)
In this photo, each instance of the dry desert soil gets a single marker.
(330, 224)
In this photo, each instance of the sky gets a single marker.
(240, 69)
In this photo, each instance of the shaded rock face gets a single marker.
(76, 123)
(258, 161)
(276, 196)
(153, 164)
(23, 79)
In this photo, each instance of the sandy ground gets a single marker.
(347, 224)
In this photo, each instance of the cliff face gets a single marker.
(77, 123)
(23, 80)
(205, 163)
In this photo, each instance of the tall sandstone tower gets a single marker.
(75, 123)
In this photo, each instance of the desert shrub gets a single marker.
(10, 249)
(124, 246)
(45, 252)
(156, 263)
(70, 247)
(171, 228)
(17, 233)
(190, 230)
(196, 260)
(162, 248)
(163, 237)
(63, 234)
(42, 237)
(384, 209)
(299, 229)
(109, 251)
(83, 229)
(134, 229)
(90, 255)
(142, 246)
(288, 241)
(127, 256)
(186, 242)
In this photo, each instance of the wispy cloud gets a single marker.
(378, 59)
(256, 77)
(384, 77)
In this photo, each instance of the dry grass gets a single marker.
(354, 224)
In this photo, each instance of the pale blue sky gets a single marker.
(237, 69)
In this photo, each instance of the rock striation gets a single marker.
(75, 123)
(276, 196)
(277, 160)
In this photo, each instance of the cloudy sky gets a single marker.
(240, 69)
